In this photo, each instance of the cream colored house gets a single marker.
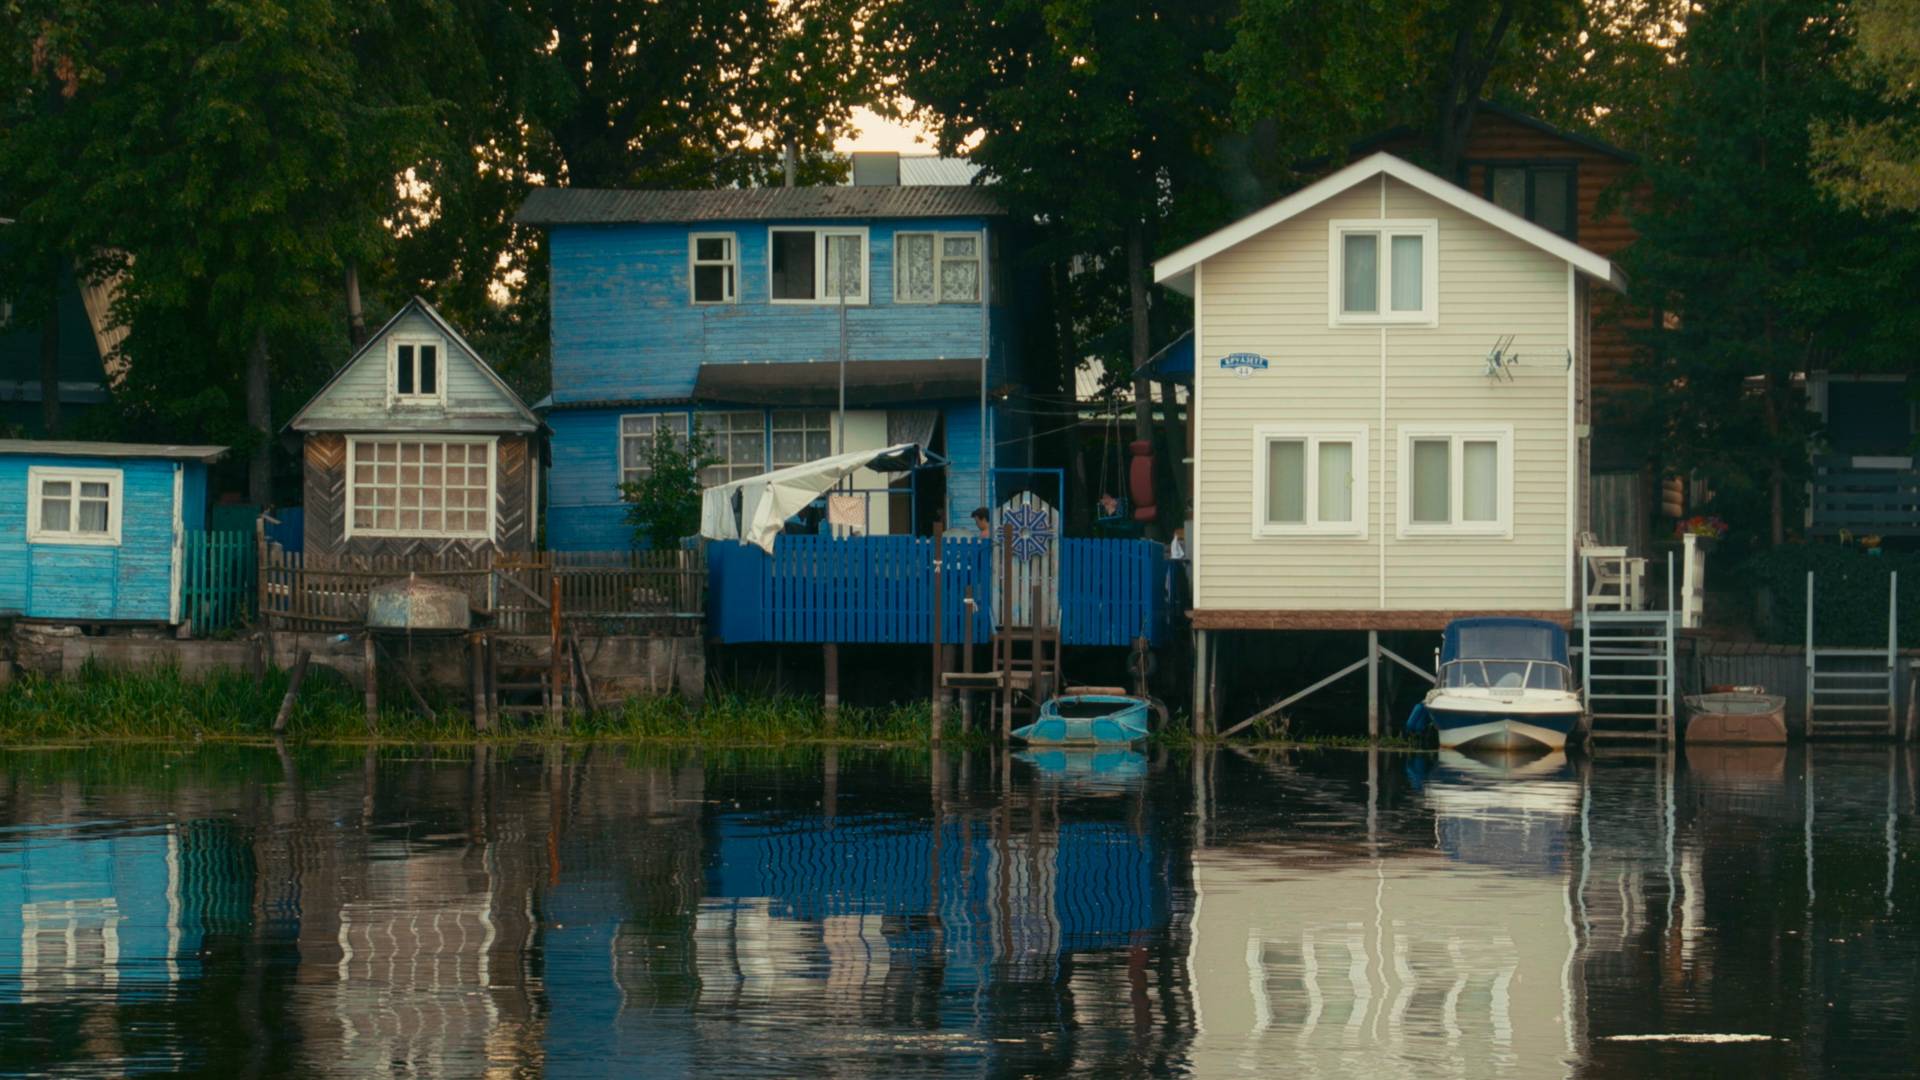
(1390, 407)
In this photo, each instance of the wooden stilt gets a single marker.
(373, 685)
(556, 677)
(966, 635)
(1202, 679)
(293, 691)
(477, 680)
(1373, 684)
(830, 661)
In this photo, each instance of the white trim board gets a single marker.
(1176, 270)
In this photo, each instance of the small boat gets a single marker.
(1505, 684)
(1737, 714)
(1088, 720)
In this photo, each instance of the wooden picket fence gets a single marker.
(647, 593)
(217, 580)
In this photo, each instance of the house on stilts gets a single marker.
(1391, 407)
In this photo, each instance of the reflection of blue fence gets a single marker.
(879, 589)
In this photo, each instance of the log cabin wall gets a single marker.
(325, 481)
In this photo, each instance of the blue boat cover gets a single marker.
(1503, 638)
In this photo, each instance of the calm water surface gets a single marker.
(603, 911)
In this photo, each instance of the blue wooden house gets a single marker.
(730, 308)
(94, 531)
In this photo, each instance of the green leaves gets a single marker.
(664, 504)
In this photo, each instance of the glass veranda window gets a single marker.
(800, 436)
(420, 488)
(738, 442)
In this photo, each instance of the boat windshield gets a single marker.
(1506, 674)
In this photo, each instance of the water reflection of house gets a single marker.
(123, 912)
(1461, 958)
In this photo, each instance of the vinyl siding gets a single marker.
(1269, 296)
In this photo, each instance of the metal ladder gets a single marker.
(1854, 692)
(1627, 674)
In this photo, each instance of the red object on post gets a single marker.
(1140, 481)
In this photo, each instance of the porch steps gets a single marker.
(1627, 675)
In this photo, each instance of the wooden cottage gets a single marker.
(416, 446)
(96, 531)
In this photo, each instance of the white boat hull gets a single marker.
(1475, 719)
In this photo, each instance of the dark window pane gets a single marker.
(429, 369)
(1550, 200)
(710, 284)
(1509, 187)
(711, 248)
(793, 266)
(403, 370)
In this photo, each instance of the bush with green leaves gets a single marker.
(1849, 595)
(663, 506)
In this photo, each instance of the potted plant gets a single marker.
(1708, 528)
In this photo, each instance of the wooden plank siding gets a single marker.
(1269, 295)
(324, 468)
(128, 581)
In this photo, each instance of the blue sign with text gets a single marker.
(1243, 364)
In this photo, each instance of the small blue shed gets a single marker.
(96, 531)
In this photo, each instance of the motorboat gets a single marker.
(1088, 720)
(1504, 684)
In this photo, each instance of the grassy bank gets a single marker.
(163, 704)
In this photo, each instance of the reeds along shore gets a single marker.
(162, 703)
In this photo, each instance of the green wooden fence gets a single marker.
(217, 580)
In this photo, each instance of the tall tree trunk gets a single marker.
(356, 318)
(260, 420)
(50, 361)
(1466, 79)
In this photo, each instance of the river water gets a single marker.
(610, 911)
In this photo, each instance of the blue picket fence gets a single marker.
(879, 590)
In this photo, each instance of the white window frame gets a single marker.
(731, 262)
(1313, 435)
(1427, 229)
(939, 255)
(439, 395)
(115, 479)
(766, 443)
(621, 435)
(820, 234)
(493, 489)
(1501, 526)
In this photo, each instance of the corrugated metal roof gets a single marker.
(60, 448)
(593, 206)
(934, 170)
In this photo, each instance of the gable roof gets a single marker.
(600, 206)
(1176, 270)
(530, 422)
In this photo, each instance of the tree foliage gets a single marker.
(663, 506)
(1766, 277)
(1874, 162)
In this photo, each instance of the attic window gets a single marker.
(1545, 194)
(1383, 272)
(416, 371)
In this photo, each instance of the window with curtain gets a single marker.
(1384, 272)
(74, 506)
(739, 441)
(936, 268)
(801, 435)
(1310, 480)
(1456, 481)
(419, 487)
(1545, 193)
(637, 437)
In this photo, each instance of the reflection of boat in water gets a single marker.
(1086, 765)
(1503, 810)
(1505, 684)
(1088, 720)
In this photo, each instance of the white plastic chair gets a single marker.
(1615, 579)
